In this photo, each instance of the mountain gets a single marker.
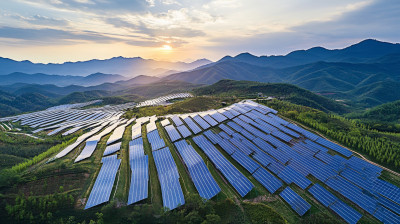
(128, 67)
(364, 51)
(362, 81)
(291, 93)
(59, 80)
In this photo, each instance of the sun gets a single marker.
(166, 47)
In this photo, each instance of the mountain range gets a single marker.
(128, 67)
(365, 74)
(359, 73)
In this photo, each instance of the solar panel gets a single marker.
(335, 147)
(200, 121)
(271, 183)
(195, 129)
(199, 173)
(214, 138)
(289, 175)
(139, 179)
(168, 176)
(184, 131)
(104, 183)
(112, 148)
(245, 161)
(295, 201)
(226, 129)
(177, 121)
(210, 120)
(235, 178)
(172, 133)
(349, 214)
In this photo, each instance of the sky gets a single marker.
(55, 31)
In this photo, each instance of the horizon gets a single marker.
(204, 58)
(169, 30)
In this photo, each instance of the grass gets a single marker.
(121, 194)
(155, 196)
(259, 213)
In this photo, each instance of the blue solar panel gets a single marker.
(295, 201)
(302, 131)
(200, 121)
(387, 189)
(241, 146)
(177, 120)
(275, 167)
(172, 133)
(335, 147)
(275, 153)
(218, 116)
(227, 146)
(214, 138)
(386, 216)
(195, 129)
(352, 193)
(268, 180)
(349, 214)
(289, 175)
(199, 173)
(282, 136)
(224, 135)
(210, 120)
(228, 114)
(139, 179)
(136, 148)
(104, 182)
(235, 178)
(184, 131)
(226, 129)
(245, 161)
(156, 142)
(112, 148)
(168, 176)
(322, 195)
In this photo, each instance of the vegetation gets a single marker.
(291, 93)
(188, 105)
(385, 117)
(382, 148)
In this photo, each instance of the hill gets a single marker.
(128, 67)
(349, 81)
(59, 80)
(365, 51)
(288, 92)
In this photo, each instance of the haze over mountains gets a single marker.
(366, 73)
(128, 67)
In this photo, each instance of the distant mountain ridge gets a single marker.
(128, 67)
(359, 73)
(59, 80)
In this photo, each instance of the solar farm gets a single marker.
(247, 144)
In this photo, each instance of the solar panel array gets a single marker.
(163, 100)
(139, 164)
(104, 182)
(156, 142)
(172, 133)
(112, 148)
(242, 185)
(253, 135)
(168, 176)
(349, 214)
(295, 201)
(199, 173)
(193, 126)
(184, 131)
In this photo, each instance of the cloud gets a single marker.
(378, 20)
(42, 20)
(48, 35)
